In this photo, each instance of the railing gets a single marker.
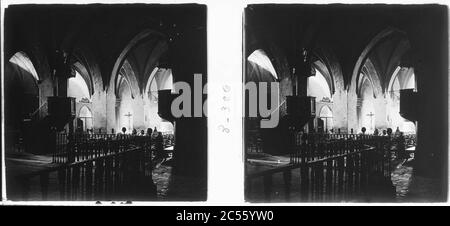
(253, 142)
(333, 171)
(410, 140)
(117, 175)
(327, 148)
(168, 139)
(324, 137)
(396, 143)
(81, 147)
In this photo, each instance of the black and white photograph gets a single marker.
(98, 102)
(346, 103)
(232, 111)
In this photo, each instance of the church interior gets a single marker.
(362, 103)
(87, 98)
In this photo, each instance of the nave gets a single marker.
(88, 99)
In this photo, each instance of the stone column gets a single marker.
(431, 71)
(358, 118)
(380, 112)
(99, 111)
(139, 113)
(111, 110)
(188, 57)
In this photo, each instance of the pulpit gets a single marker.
(300, 109)
(408, 104)
(61, 110)
(165, 98)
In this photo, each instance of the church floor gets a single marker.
(415, 188)
(408, 186)
(401, 179)
(161, 177)
(423, 189)
(19, 163)
(411, 187)
(167, 188)
(175, 187)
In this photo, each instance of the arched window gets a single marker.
(22, 84)
(160, 79)
(326, 115)
(78, 88)
(21, 98)
(21, 60)
(367, 108)
(402, 78)
(130, 76)
(85, 116)
(124, 105)
(260, 68)
(369, 92)
(318, 87)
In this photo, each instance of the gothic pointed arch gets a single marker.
(138, 39)
(364, 56)
(327, 63)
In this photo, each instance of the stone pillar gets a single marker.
(286, 89)
(302, 72)
(431, 71)
(340, 110)
(352, 113)
(188, 57)
(139, 113)
(359, 102)
(62, 73)
(99, 111)
(147, 109)
(111, 110)
(380, 112)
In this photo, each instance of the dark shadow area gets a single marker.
(386, 68)
(88, 94)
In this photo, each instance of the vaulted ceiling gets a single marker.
(346, 30)
(99, 31)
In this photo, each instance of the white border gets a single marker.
(225, 151)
